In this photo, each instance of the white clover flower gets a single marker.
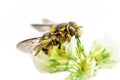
(41, 62)
(55, 62)
(106, 52)
(70, 48)
(74, 59)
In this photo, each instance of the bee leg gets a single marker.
(45, 51)
(37, 52)
(61, 50)
(59, 46)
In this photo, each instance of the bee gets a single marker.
(57, 35)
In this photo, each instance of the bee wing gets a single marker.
(46, 21)
(45, 26)
(42, 27)
(29, 45)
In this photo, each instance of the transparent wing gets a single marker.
(45, 26)
(42, 27)
(46, 21)
(29, 45)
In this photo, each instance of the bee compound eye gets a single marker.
(72, 30)
(76, 34)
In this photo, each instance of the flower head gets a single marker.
(73, 58)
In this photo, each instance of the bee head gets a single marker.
(74, 29)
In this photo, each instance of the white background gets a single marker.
(98, 17)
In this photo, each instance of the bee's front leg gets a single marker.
(60, 49)
(59, 46)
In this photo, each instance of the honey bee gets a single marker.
(57, 35)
